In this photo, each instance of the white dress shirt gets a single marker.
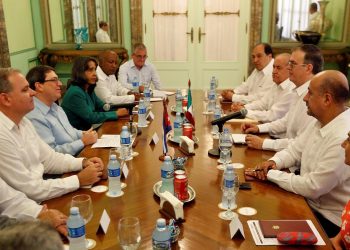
(147, 73)
(257, 84)
(274, 104)
(25, 157)
(102, 36)
(291, 125)
(15, 204)
(324, 178)
(109, 90)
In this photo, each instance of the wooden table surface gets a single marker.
(203, 229)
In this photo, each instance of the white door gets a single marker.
(197, 39)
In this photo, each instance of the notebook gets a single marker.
(270, 228)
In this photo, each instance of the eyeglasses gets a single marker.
(54, 80)
(141, 57)
(294, 64)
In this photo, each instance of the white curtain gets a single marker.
(170, 30)
(221, 39)
(294, 15)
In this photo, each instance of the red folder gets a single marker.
(270, 228)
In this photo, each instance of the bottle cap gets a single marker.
(124, 128)
(161, 222)
(229, 167)
(74, 210)
(112, 157)
(167, 158)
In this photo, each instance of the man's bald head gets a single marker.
(108, 61)
(335, 83)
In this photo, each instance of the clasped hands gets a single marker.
(260, 171)
(93, 171)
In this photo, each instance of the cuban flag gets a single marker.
(166, 126)
(189, 113)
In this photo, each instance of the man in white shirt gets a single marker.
(259, 81)
(324, 178)
(25, 157)
(15, 206)
(49, 119)
(275, 103)
(102, 35)
(139, 68)
(108, 89)
(306, 61)
(314, 18)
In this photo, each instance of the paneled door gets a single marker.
(197, 39)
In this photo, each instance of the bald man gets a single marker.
(275, 103)
(324, 178)
(108, 89)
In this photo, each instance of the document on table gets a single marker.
(243, 120)
(239, 138)
(161, 93)
(259, 239)
(107, 141)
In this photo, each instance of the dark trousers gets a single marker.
(329, 227)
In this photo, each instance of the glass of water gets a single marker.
(129, 233)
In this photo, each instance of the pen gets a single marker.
(257, 232)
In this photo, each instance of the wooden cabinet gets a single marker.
(53, 56)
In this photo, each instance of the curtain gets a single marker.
(221, 29)
(293, 15)
(4, 48)
(170, 27)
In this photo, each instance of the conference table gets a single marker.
(202, 228)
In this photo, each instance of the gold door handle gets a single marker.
(190, 33)
(200, 33)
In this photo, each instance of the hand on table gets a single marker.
(260, 172)
(254, 141)
(227, 94)
(249, 128)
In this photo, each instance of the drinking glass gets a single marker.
(132, 126)
(230, 194)
(129, 233)
(84, 203)
(225, 145)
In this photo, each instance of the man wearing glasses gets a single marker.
(139, 67)
(306, 61)
(49, 119)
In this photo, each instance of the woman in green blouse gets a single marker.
(83, 108)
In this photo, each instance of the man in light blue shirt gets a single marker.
(49, 119)
(138, 67)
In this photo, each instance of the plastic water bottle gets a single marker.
(212, 100)
(76, 230)
(228, 185)
(217, 115)
(125, 144)
(113, 167)
(177, 127)
(147, 96)
(161, 236)
(167, 174)
(225, 146)
(213, 83)
(135, 84)
(142, 114)
(178, 98)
